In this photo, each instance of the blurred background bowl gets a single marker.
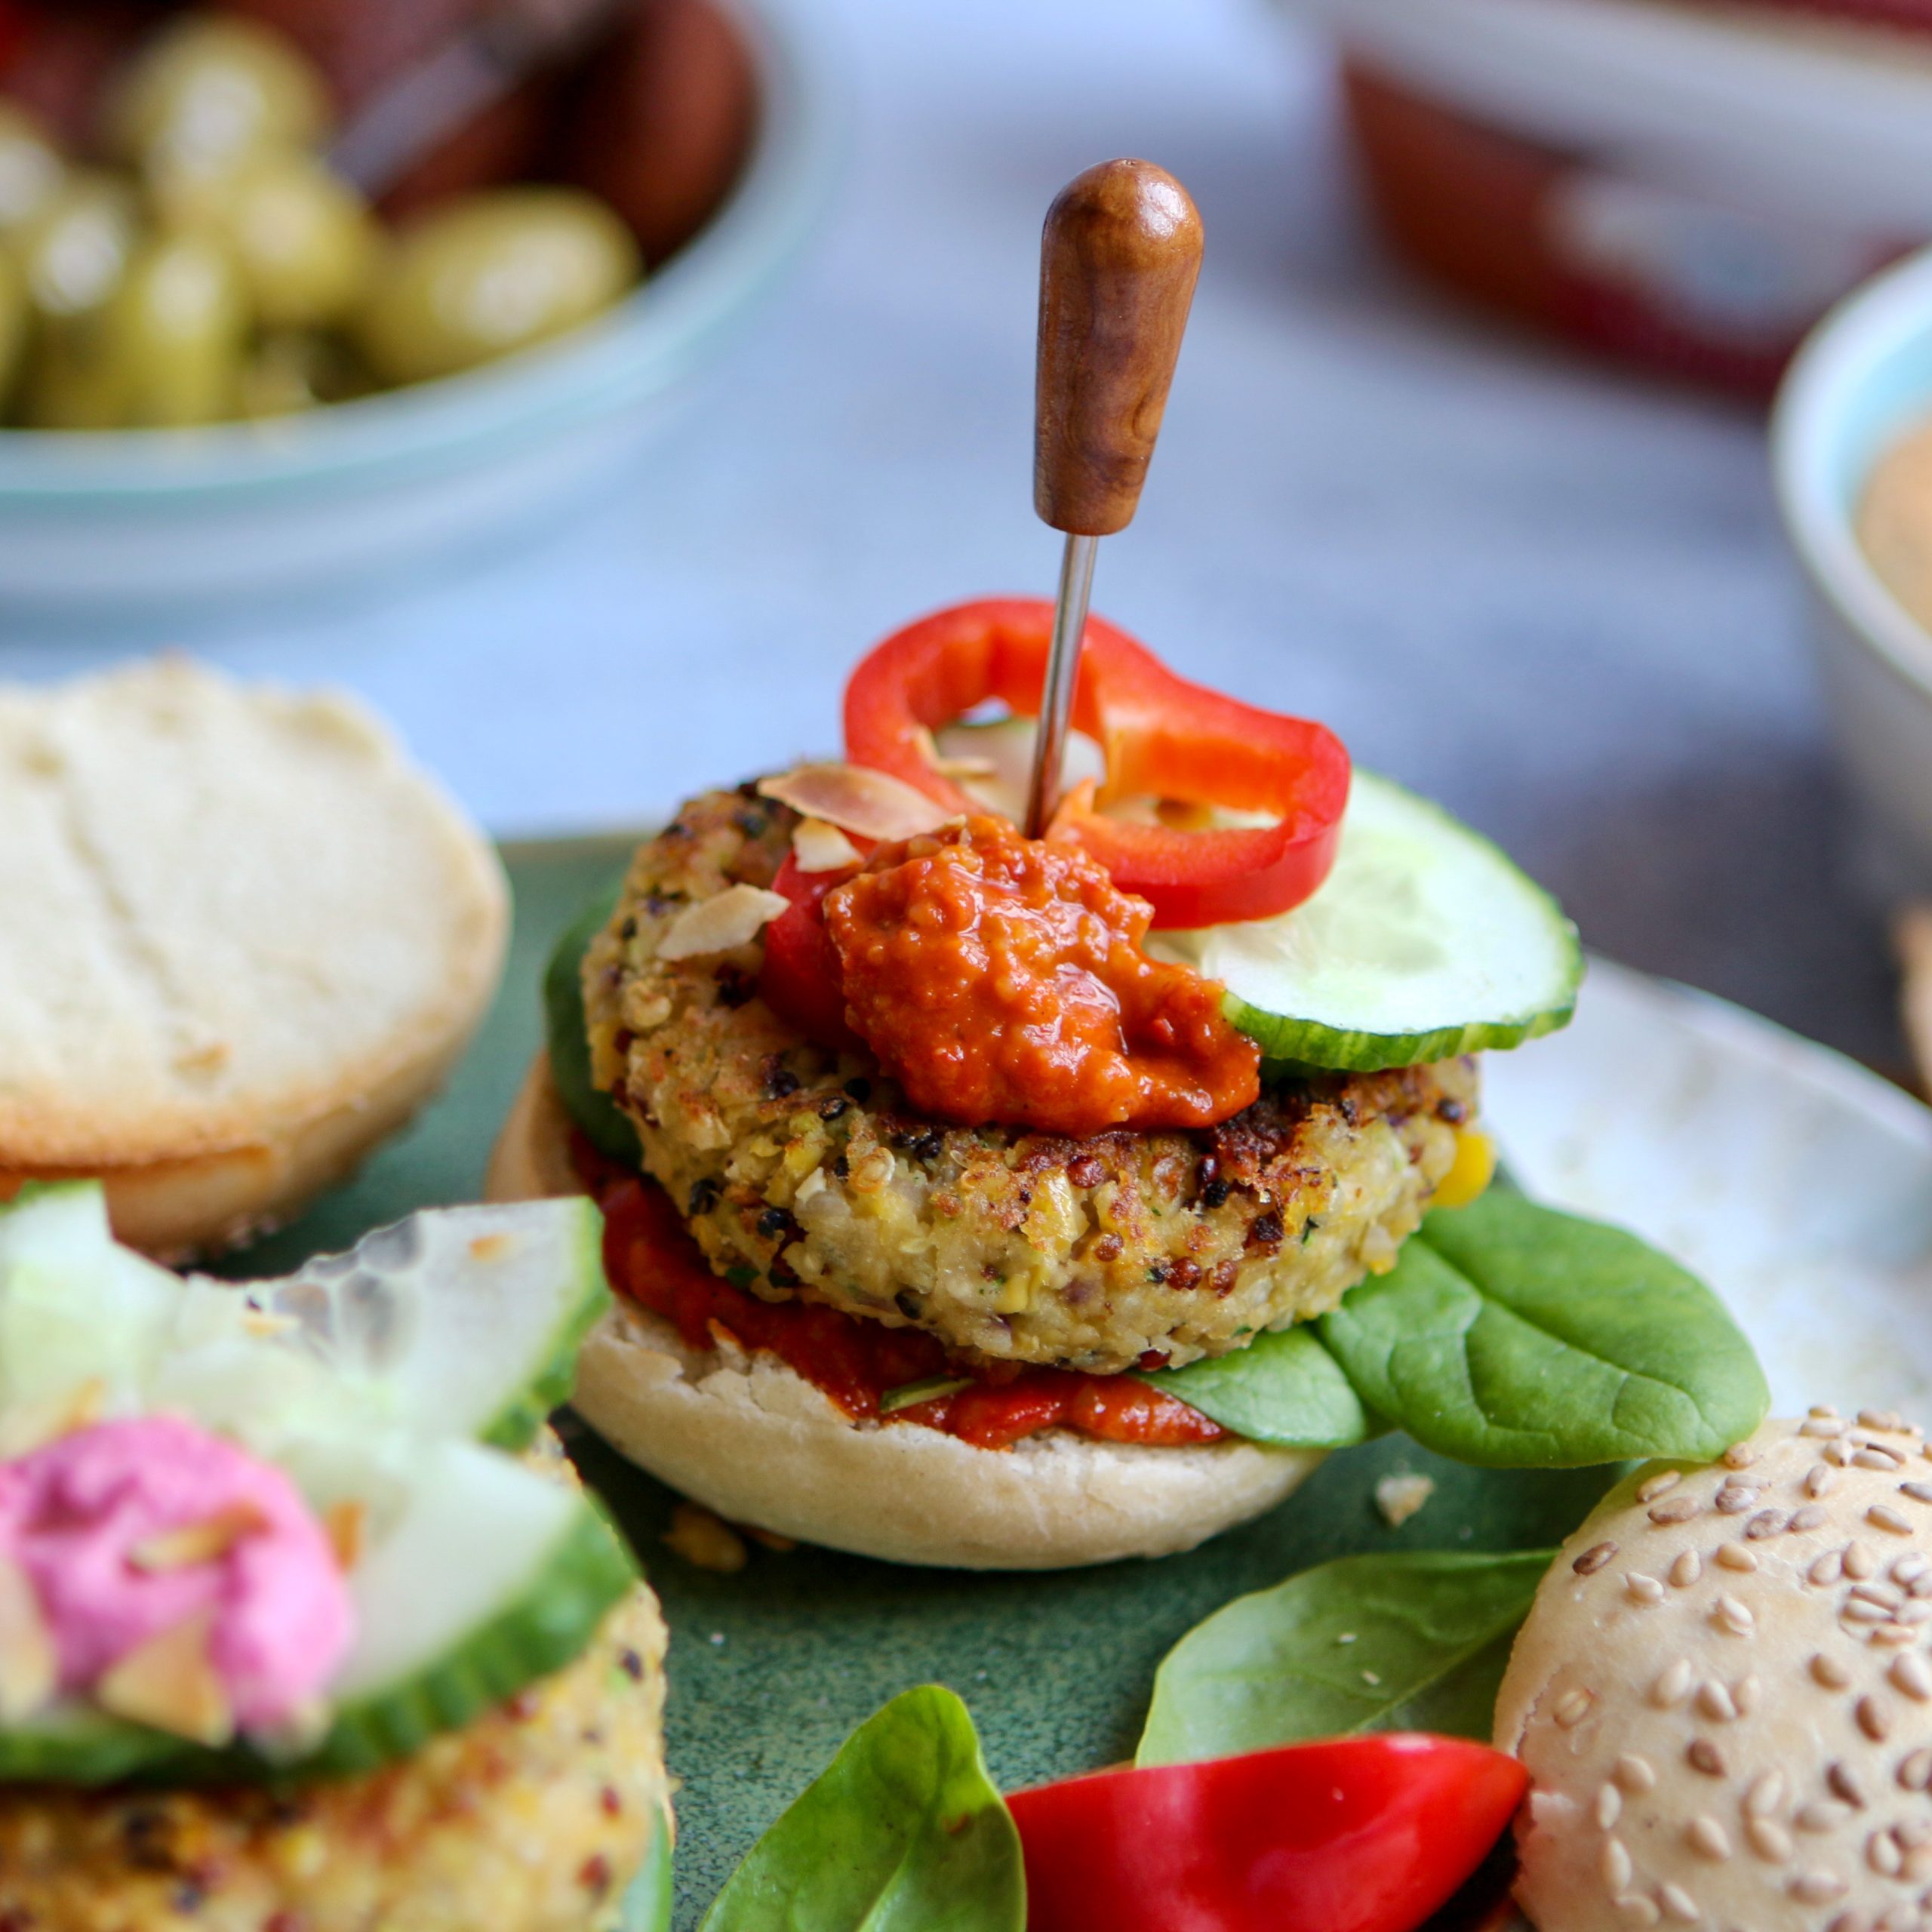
(101, 521)
(1862, 380)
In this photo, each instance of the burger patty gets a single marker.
(533, 1818)
(801, 1172)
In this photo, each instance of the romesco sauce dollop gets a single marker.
(1001, 978)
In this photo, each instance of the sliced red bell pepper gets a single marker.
(800, 979)
(1163, 737)
(1368, 1834)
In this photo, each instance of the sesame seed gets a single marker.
(1823, 1412)
(1876, 1458)
(1910, 1674)
(1731, 1615)
(1919, 1492)
(1739, 1455)
(1672, 1685)
(1838, 1454)
(1914, 1771)
(1638, 1910)
(1921, 1585)
(1594, 1558)
(1769, 1840)
(1745, 1692)
(1859, 1563)
(1874, 1719)
(1708, 1838)
(1813, 1516)
(1818, 1479)
(1909, 1567)
(1734, 1499)
(1913, 1832)
(1571, 1709)
(1882, 1854)
(1651, 1488)
(1829, 1672)
(1916, 1610)
(1344, 1637)
(1850, 1921)
(1703, 1755)
(1615, 1866)
(1883, 1516)
(1715, 1701)
(1861, 1609)
(1734, 1556)
(1644, 1590)
(1766, 1523)
(1820, 1426)
(1634, 1774)
(1827, 1569)
(1679, 1904)
(1609, 1806)
(1688, 1567)
(1892, 1636)
(1816, 1887)
(1844, 1782)
(1883, 1595)
(1674, 1509)
(1371, 1677)
(1889, 1419)
(1766, 1794)
(1819, 1817)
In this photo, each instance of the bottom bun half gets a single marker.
(747, 1437)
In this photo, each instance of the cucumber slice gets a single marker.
(567, 1035)
(1425, 942)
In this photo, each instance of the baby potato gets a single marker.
(208, 90)
(491, 273)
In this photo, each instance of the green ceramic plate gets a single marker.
(771, 1668)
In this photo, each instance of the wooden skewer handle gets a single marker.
(1118, 264)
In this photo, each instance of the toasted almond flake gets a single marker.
(1572, 1707)
(1589, 1563)
(1615, 1865)
(1651, 1488)
(1609, 1806)
(1859, 1563)
(1634, 1774)
(1734, 1556)
(1769, 1840)
(820, 847)
(733, 918)
(1910, 1674)
(854, 798)
(1679, 1904)
(1873, 1719)
(205, 1542)
(29, 1667)
(1830, 1671)
(1399, 1496)
(1708, 1838)
(346, 1523)
(170, 1684)
(29, 1426)
(1688, 1567)
(1672, 1684)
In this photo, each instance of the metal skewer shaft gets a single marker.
(1118, 259)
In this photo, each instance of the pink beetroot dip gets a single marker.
(71, 1512)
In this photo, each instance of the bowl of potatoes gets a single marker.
(298, 292)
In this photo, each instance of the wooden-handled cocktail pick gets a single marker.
(1117, 262)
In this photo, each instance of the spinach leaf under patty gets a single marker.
(903, 1831)
(567, 1034)
(1415, 1640)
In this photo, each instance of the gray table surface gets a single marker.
(1556, 597)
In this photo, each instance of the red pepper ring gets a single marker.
(1162, 736)
(1369, 1834)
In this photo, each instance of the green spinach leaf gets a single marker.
(903, 1832)
(1284, 1389)
(603, 1121)
(1412, 1640)
(1509, 1336)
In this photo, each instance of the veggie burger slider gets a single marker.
(304, 1621)
(984, 1200)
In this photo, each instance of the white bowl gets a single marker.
(1863, 378)
(93, 521)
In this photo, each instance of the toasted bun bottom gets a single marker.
(747, 1437)
(204, 1204)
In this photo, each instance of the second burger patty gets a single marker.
(801, 1171)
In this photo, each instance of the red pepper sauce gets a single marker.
(1001, 978)
(651, 1258)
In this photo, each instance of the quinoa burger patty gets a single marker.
(801, 1172)
(533, 1818)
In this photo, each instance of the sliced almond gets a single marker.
(856, 798)
(820, 847)
(29, 1426)
(205, 1542)
(170, 1684)
(732, 917)
(346, 1524)
(29, 1668)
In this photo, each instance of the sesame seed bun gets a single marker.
(1723, 1694)
(253, 938)
(745, 1436)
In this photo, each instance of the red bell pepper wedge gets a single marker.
(799, 980)
(1163, 737)
(1368, 1834)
